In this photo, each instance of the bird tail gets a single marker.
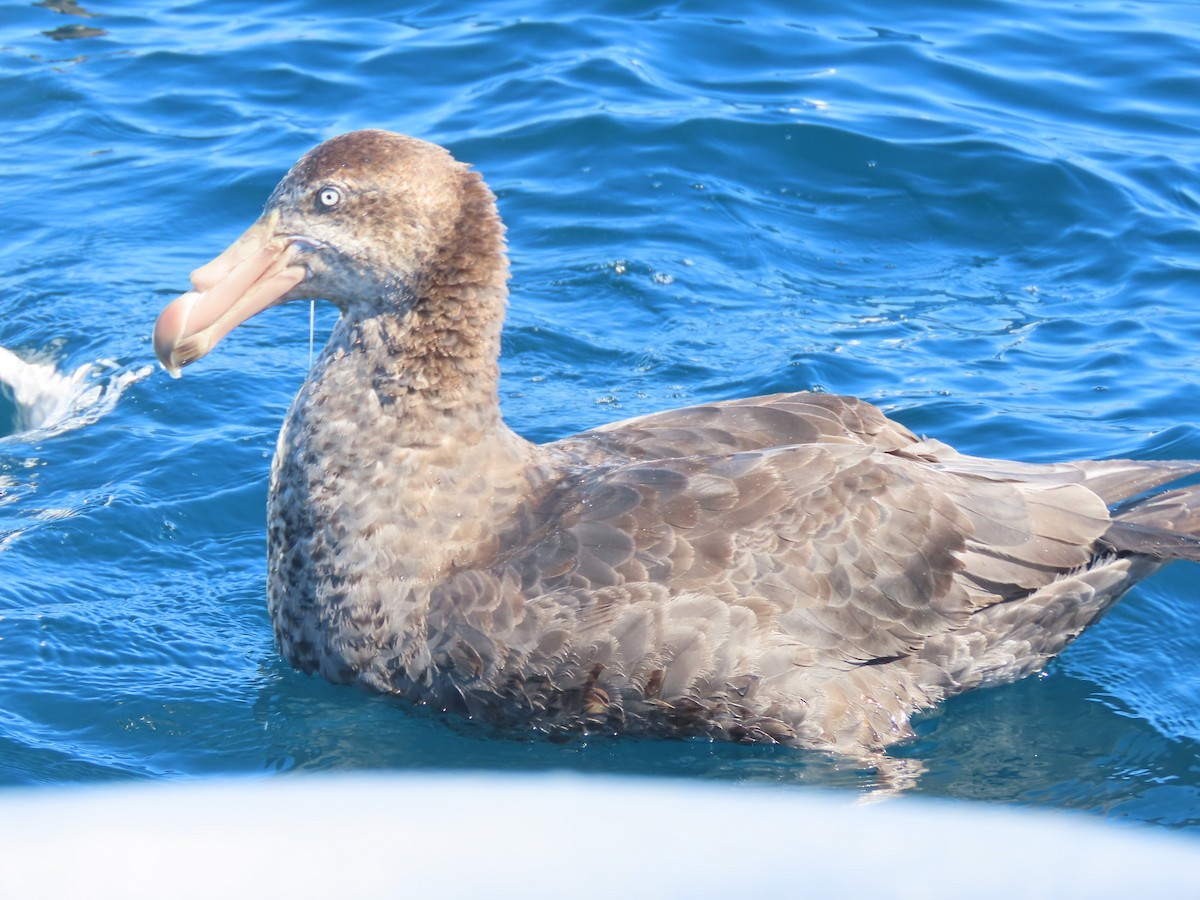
(1165, 526)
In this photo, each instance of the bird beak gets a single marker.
(256, 272)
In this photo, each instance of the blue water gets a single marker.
(980, 215)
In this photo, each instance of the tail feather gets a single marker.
(1116, 480)
(1166, 526)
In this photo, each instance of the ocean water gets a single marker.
(980, 215)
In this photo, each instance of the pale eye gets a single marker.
(329, 197)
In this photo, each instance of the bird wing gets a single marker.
(730, 426)
(790, 541)
(850, 554)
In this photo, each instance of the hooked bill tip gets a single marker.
(169, 330)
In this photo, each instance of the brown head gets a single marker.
(375, 222)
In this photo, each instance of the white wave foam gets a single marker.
(47, 401)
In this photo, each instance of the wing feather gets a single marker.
(799, 561)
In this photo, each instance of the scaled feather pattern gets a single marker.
(794, 568)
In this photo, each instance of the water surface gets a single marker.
(981, 216)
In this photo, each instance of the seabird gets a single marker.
(795, 568)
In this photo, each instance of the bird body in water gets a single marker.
(795, 568)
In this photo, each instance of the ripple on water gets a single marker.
(37, 400)
(981, 216)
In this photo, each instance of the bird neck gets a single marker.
(395, 370)
(429, 354)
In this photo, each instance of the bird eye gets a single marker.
(329, 197)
